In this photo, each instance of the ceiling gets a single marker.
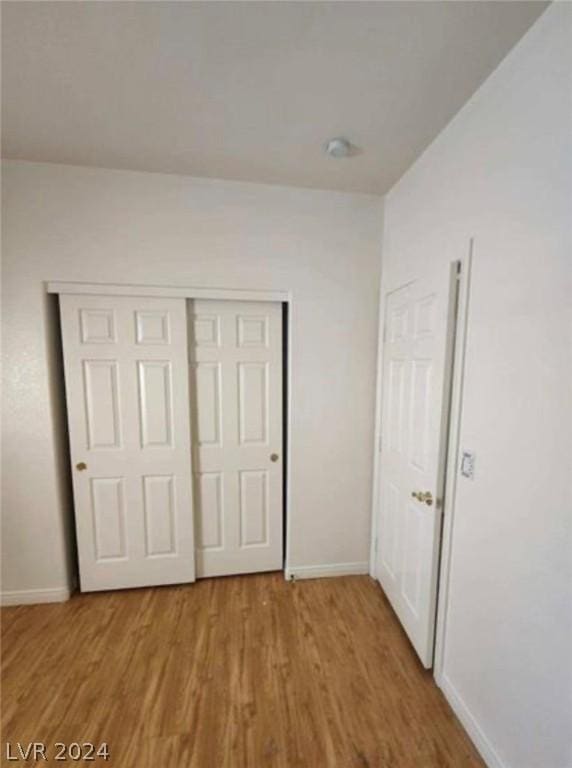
(246, 90)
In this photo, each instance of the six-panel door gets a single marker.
(128, 410)
(236, 411)
(415, 383)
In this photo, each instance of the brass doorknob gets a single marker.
(81, 466)
(423, 496)
(274, 457)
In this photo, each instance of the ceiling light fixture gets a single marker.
(338, 147)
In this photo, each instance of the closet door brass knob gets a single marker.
(273, 457)
(81, 466)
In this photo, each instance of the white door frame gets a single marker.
(197, 292)
(456, 395)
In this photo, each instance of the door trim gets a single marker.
(451, 474)
(199, 292)
(167, 291)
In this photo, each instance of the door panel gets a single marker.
(236, 396)
(152, 327)
(208, 487)
(156, 415)
(253, 403)
(101, 397)
(253, 508)
(97, 326)
(415, 386)
(108, 512)
(207, 378)
(159, 502)
(127, 392)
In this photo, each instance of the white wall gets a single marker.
(502, 172)
(69, 223)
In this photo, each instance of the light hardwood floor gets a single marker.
(240, 672)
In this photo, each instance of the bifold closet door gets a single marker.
(126, 372)
(236, 412)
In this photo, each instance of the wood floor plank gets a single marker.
(237, 672)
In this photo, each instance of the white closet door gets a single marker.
(236, 398)
(416, 372)
(126, 373)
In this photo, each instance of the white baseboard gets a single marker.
(31, 596)
(470, 724)
(323, 571)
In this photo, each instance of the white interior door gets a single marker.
(127, 390)
(415, 400)
(236, 406)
